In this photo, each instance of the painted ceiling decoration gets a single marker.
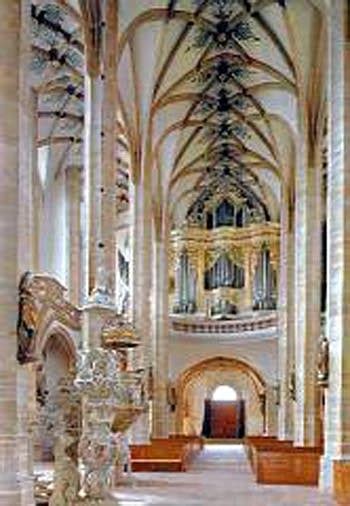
(221, 75)
(223, 94)
(57, 73)
(57, 66)
(204, 86)
(225, 184)
(222, 31)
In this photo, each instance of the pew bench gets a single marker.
(197, 442)
(193, 444)
(271, 443)
(287, 465)
(159, 457)
(250, 441)
(272, 446)
(166, 444)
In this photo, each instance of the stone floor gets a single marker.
(220, 476)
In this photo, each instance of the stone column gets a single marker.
(92, 178)
(336, 462)
(286, 317)
(108, 140)
(141, 284)
(271, 413)
(28, 123)
(10, 17)
(307, 289)
(161, 337)
(26, 398)
(27, 247)
(73, 192)
(99, 176)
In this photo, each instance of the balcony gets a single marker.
(252, 325)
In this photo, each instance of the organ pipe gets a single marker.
(264, 282)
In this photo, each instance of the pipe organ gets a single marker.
(225, 270)
(264, 289)
(224, 273)
(186, 277)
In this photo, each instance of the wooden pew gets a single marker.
(267, 446)
(249, 442)
(159, 456)
(341, 477)
(288, 465)
(196, 441)
(186, 446)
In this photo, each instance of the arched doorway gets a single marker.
(224, 414)
(206, 379)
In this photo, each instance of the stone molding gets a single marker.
(42, 305)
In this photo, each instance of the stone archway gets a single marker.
(57, 356)
(199, 382)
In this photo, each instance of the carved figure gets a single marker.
(26, 322)
(150, 383)
(172, 397)
(102, 292)
(98, 455)
(292, 385)
(323, 362)
(262, 403)
(67, 478)
(123, 459)
(277, 390)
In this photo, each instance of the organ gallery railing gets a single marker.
(239, 325)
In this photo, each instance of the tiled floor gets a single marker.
(220, 476)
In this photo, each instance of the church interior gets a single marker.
(174, 216)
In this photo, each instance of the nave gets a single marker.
(219, 476)
(174, 217)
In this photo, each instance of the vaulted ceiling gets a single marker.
(204, 86)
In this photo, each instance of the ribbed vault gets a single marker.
(203, 86)
(209, 85)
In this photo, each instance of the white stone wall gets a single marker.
(53, 249)
(260, 355)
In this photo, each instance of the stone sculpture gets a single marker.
(26, 322)
(67, 477)
(323, 362)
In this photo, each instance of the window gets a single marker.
(43, 162)
(224, 393)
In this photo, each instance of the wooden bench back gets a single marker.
(157, 452)
(299, 466)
